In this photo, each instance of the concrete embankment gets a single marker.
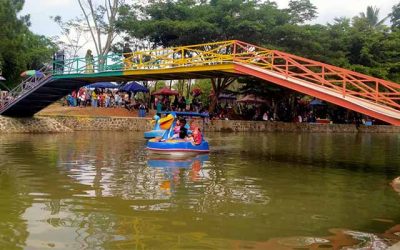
(62, 124)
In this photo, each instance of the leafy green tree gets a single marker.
(20, 49)
(301, 11)
(338, 42)
(205, 86)
(11, 27)
(372, 48)
(218, 85)
(308, 40)
(173, 23)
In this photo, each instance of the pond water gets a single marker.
(92, 190)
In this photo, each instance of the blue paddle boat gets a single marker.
(160, 125)
(170, 144)
(157, 131)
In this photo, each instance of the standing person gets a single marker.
(155, 102)
(61, 60)
(94, 99)
(166, 103)
(89, 62)
(159, 107)
(58, 64)
(88, 95)
(117, 99)
(108, 100)
(102, 98)
(82, 97)
(195, 104)
(182, 104)
(55, 66)
(265, 116)
(142, 110)
(74, 98)
(175, 104)
(127, 56)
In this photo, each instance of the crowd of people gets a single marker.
(106, 98)
(295, 111)
(292, 111)
(113, 98)
(179, 103)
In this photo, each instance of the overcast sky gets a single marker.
(41, 10)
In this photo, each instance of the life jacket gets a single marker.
(197, 137)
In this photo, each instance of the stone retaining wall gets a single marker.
(261, 126)
(57, 124)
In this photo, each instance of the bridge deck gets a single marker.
(365, 94)
(154, 74)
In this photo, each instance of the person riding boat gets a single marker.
(177, 129)
(197, 137)
(183, 132)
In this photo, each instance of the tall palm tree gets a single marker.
(395, 16)
(371, 16)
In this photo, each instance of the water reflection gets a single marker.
(103, 191)
(174, 168)
(188, 162)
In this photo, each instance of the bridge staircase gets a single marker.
(368, 95)
(35, 93)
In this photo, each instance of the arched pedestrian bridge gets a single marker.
(365, 94)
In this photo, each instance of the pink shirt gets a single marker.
(177, 129)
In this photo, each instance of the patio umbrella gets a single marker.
(224, 96)
(316, 102)
(196, 92)
(252, 99)
(165, 91)
(102, 85)
(134, 87)
(32, 73)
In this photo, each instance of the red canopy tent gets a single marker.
(165, 91)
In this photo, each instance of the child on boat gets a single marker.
(183, 132)
(180, 130)
(195, 137)
(177, 129)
